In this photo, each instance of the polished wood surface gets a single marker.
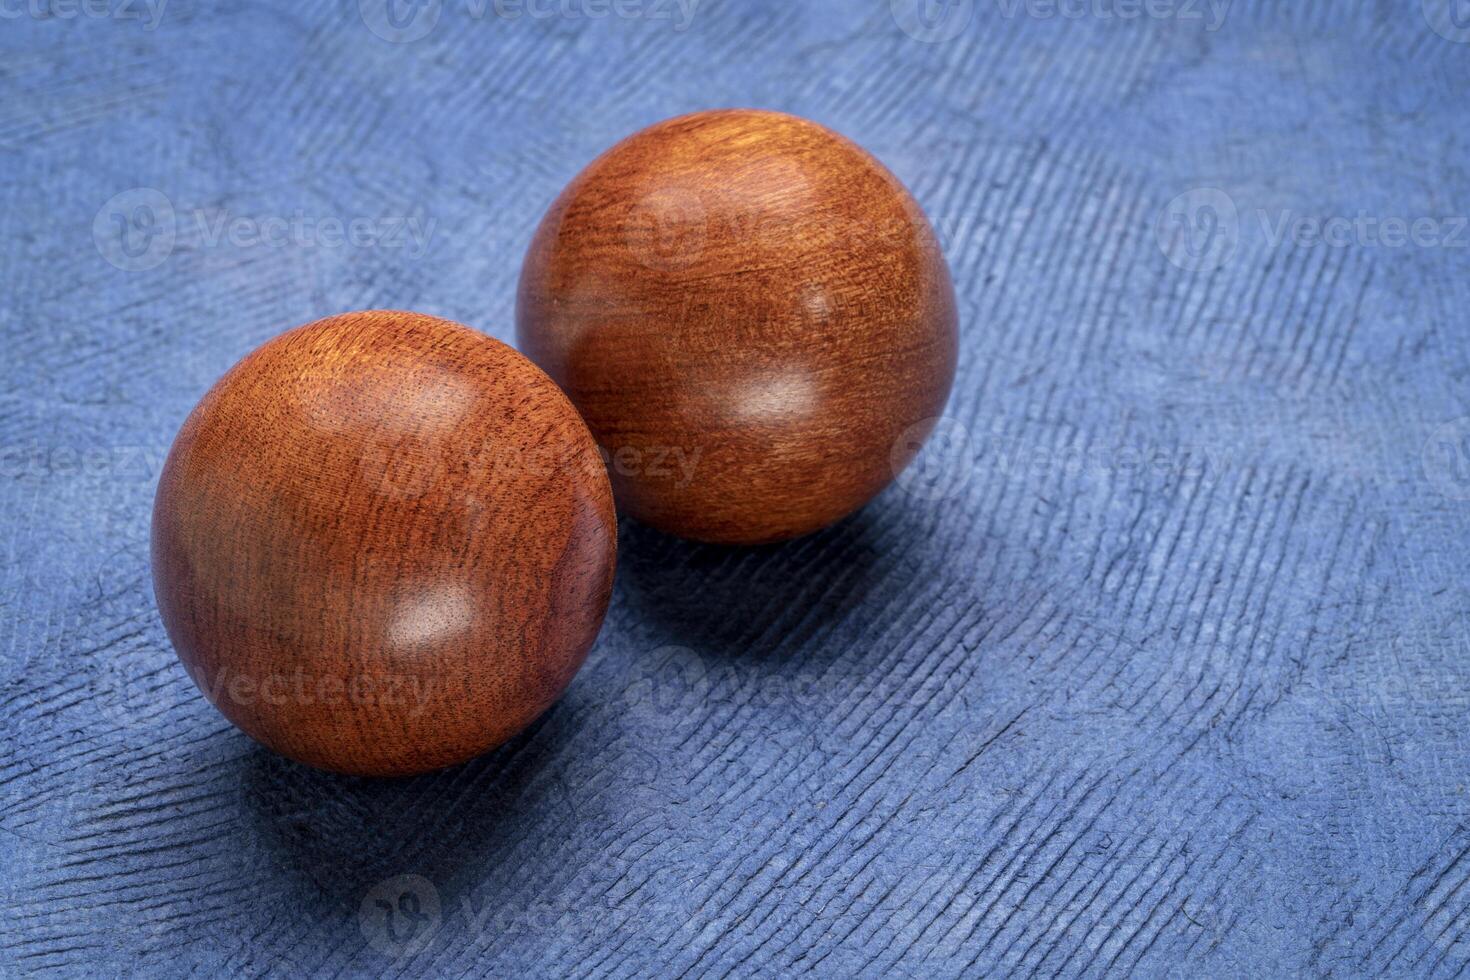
(383, 543)
(753, 316)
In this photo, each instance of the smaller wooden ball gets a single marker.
(383, 543)
(753, 316)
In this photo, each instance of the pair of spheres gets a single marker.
(383, 542)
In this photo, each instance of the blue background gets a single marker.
(1157, 661)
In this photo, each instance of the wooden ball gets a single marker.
(753, 316)
(383, 543)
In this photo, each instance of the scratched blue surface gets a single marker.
(1156, 663)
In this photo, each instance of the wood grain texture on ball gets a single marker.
(753, 316)
(383, 543)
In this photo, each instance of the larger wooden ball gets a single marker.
(383, 543)
(753, 316)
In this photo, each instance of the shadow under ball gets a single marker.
(753, 316)
(383, 543)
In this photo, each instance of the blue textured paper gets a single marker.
(1156, 663)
